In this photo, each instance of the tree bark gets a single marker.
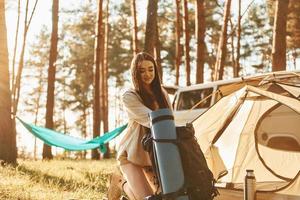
(17, 85)
(178, 46)
(238, 46)
(157, 54)
(84, 128)
(150, 36)
(187, 42)
(233, 61)
(37, 109)
(47, 154)
(135, 29)
(105, 77)
(279, 36)
(98, 49)
(8, 150)
(221, 53)
(200, 36)
(16, 44)
(294, 56)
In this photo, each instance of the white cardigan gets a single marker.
(130, 143)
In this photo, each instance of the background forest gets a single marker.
(193, 42)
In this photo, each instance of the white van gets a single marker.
(190, 101)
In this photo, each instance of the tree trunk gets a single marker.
(135, 29)
(157, 54)
(150, 36)
(294, 57)
(8, 150)
(84, 128)
(47, 154)
(200, 36)
(64, 106)
(279, 36)
(17, 85)
(238, 46)
(98, 49)
(102, 109)
(221, 53)
(16, 44)
(232, 46)
(38, 108)
(178, 46)
(187, 42)
(104, 78)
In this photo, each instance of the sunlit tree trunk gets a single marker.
(98, 50)
(105, 77)
(157, 57)
(232, 45)
(200, 35)
(187, 42)
(17, 85)
(37, 109)
(102, 106)
(238, 46)
(8, 152)
(279, 36)
(178, 46)
(151, 23)
(152, 43)
(294, 57)
(221, 53)
(47, 154)
(135, 28)
(64, 107)
(84, 128)
(16, 44)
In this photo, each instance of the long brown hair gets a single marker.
(155, 86)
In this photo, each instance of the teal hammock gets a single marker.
(71, 143)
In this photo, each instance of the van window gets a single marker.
(188, 99)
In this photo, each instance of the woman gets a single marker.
(145, 96)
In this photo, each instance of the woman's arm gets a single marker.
(136, 110)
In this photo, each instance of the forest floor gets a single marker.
(56, 180)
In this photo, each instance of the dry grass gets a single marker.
(56, 179)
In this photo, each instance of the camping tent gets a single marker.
(254, 128)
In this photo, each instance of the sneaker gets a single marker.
(115, 187)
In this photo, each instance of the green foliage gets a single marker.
(74, 88)
(166, 29)
(120, 42)
(256, 43)
(78, 64)
(36, 72)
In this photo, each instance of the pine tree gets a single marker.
(222, 48)
(279, 36)
(8, 151)
(200, 35)
(47, 154)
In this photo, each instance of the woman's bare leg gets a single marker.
(152, 180)
(136, 180)
(128, 191)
